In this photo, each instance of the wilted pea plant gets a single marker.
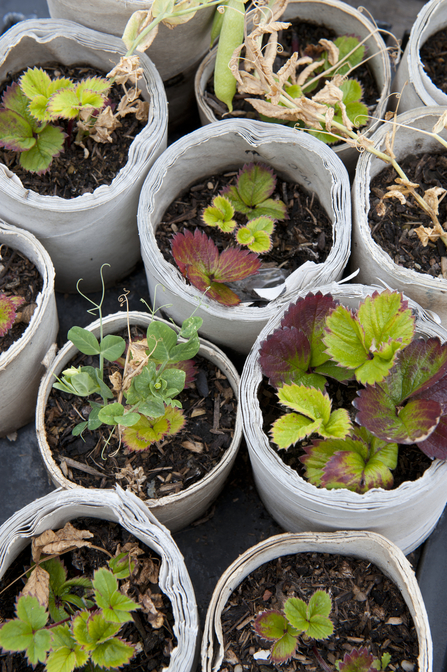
(67, 623)
(402, 381)
(197, 256)
(156, 369)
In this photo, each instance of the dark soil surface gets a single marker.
(367, 611)
(75, 172)
(298, 37)
(412, 461)
(433, 55)
(18, 277)
(170, 465)
(155, 644)
(305, 236)
(394, 230)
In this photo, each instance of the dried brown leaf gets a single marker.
(106, 122)
(51, 543)
(441, 123)
(426, 234)
(330, 94)
(305, 74)
(128, 69)
(155, 618)
(332, 50)
(433, 197)
(396, 193)
(38, 585)
(116, 381)
(148, 572)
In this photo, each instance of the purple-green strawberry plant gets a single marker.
(198, 258)
(76, 622)
(298, 619)
(361, 660)
(155, 372)
(8, 313)
(30, 107)
(402, 395)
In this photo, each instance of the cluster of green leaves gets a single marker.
(30, 106)
(152, 411)
(298, 619)
(361, 660)
(402, 400)
(8, 312)
(80, 629)
(198, 257)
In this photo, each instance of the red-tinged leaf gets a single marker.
(149, 430)
(347, 470)
(49, 144)
(285, 356)
(270, 624)
(14, 99)
(359, 660)
(379, 413)
(8, 305)
(436, 444)
(422, 365)
(309, 315)
(196, 251)
(284, 648)
(198, 260)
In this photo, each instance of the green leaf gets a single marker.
(79, 428)
(255, 183)
(184, 351)
(220, 214)
(16, 133)
(115, 605)
(84, 341)
(112, 347)
(148, 430)
(66, 653)
(270, 624)
(320, 603)
(284, 648)
(113, 414)
(291, 428)
(312, 618)
(122, 565)
(113, 653)
(27, 632)
(100, 629)
(296, 613)
(191, 326)
(160, 340)
(83, 384)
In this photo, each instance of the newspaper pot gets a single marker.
(344, 20)
(59, 507)
(364, 545)
(22, 366)
(411, 81)
(172, 51)
(405, 515)
(367, 255)
(82, 233)
(224, 146)
(177, 510)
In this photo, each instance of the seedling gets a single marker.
(402, 401)
(198, 257)
(29, 107)
(8, 313)
(63, 629)
(298, 619)
(154, 374)
(361, 660)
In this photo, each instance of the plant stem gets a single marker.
(320, 660)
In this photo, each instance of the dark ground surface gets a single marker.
(238, 519)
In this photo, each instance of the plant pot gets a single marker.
(364, 545)
(82, 233)
(176, 54)
(22, 366)
(405, 515)
(344, 20)
(367, 255)
(55, 509)
(411, 81)
(224, 146)
(176, 510)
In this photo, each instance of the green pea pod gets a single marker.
(217, 24)
(231, 36)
